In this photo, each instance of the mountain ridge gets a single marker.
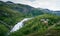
(12, 13)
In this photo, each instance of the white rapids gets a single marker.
(19, 25)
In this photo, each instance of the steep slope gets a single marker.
(43, 25)
(8, 18)
(28, 10)
(25, 9)
(10, 14)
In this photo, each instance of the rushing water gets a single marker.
(19, 25)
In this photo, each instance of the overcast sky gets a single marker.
(49, 4)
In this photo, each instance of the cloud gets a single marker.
(31, 0)
(50, 4)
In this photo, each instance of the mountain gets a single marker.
(8, 18)
(42, 25)
(12, 13)
(50, 11)
(25, 9)
(57, 12)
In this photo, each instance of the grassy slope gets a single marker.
(35, 27)
(25, 9)
(8, 18)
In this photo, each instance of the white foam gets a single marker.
(19, 25)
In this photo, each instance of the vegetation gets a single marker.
(36, 27)
(41, 25)
(8, 18)
(3, 30)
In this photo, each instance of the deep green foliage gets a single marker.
(25, 9)
(9, 16)
(3, 30)
(35, 27)
(12, 13)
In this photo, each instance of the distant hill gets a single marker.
(25, 9)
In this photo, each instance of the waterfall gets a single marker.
(19, 24)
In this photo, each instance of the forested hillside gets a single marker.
(25, 9)
(9, 16)
(45, 22)
(43, 25)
